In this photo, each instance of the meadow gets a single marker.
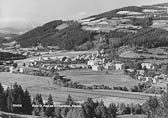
(89, 77)
(132, 116)
(45, 86)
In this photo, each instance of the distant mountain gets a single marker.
(6, 37)
(3, 35)
(12, 30)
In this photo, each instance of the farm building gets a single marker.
(141, 72)
(109, 66)
(97, 68)
(147, 65)
(92, 62)
(119, 66)
(25, 70)
(11, 69)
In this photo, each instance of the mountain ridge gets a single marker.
(72, 34)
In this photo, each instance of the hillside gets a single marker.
(113, 13)
(54, 33)
(130, 25)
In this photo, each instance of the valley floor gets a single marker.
(45, 86)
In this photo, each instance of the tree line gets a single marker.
(17, 100)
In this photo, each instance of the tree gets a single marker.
(89, 107)
(50, 107)
(1, 97)
(64, 112)
(138, 66)
(101, 111)
(39, 102)
(69, 100)
(122, 108)
(76, 113)
(17, 94)
(26, 103)
(9, 101)
(15, 65)
(151, 106)
(57, 112)
(112, 111)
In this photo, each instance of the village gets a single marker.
(98, 61)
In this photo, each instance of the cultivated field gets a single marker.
(89, 77)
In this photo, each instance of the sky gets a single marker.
(15, 12)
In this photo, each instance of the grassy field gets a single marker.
(139, 55)
(89, 77)
(45, 86)
(132, 116)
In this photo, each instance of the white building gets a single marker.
(119, 66)
(92, 62)
(11, 69)
(109, 66)
(147, 65)
(97, 68)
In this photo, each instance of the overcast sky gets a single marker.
(42, 11)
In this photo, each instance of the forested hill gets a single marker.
(67, 35)
(148, 38)
(120, 26)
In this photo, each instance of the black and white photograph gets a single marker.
(83, 58)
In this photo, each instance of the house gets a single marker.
(92, 62)
(154, 80)
(140, 78)
(163, 76)
(45, 58)
(109, 66)
(97, 68)
(119, 66)
(140, 72)
(147, 65)
(21, 70)
(11, 69)
(25, 70)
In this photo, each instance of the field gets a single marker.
(45, 86)
(151, 57)
(132, 116)
(89, 77)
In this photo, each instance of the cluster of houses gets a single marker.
(96, 62)
(99, 62)
(148, 74)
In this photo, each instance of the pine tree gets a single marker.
(89, 107)
(64, 112)
(26, 103)
(112, 111)
(76, 113)
(17, 94)
(9, 100)
(57, 112)
(37, 101)
(1, 97)
(69, 101)
(50, 108)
